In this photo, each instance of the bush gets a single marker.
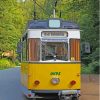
(5, 63)
(86, 70)
(95, 67)
(92, 68)
(91, 62)
(17, 63)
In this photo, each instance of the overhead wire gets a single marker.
(36, 3)
(42, 9)
(55, 5)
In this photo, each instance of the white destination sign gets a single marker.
(54, 34)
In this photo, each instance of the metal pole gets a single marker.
(34, 9)
(54, 13)
(60, 14)
(68, 50)
(54, 10)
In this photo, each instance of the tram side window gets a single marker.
(34, 49)
(74, 49)
(24, 52)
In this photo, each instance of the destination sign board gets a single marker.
(54, 34)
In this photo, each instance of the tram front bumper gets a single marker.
(51, 93)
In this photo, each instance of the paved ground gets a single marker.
(90, 87)
(10, 85)
(10, 88)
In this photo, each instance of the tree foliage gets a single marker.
(13, 19)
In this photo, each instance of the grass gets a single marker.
(6, 63)
(86, 70)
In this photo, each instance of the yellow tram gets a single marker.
(50, 59)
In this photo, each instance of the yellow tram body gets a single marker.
(42, 72)
(50, 59)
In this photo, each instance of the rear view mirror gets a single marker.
(85, 47)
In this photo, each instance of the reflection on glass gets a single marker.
(54, 51)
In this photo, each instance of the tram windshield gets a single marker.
(54, 51)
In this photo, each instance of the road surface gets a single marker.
(10, 88)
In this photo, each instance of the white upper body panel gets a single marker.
(36, 33)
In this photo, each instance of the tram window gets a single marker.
(34, 49)
(24, 51)
(74, 49)
(54, 23)
(51, 49)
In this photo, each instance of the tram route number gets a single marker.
(55, 73)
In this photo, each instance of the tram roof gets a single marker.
(43, 24)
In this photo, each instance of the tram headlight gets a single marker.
(55, 80)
